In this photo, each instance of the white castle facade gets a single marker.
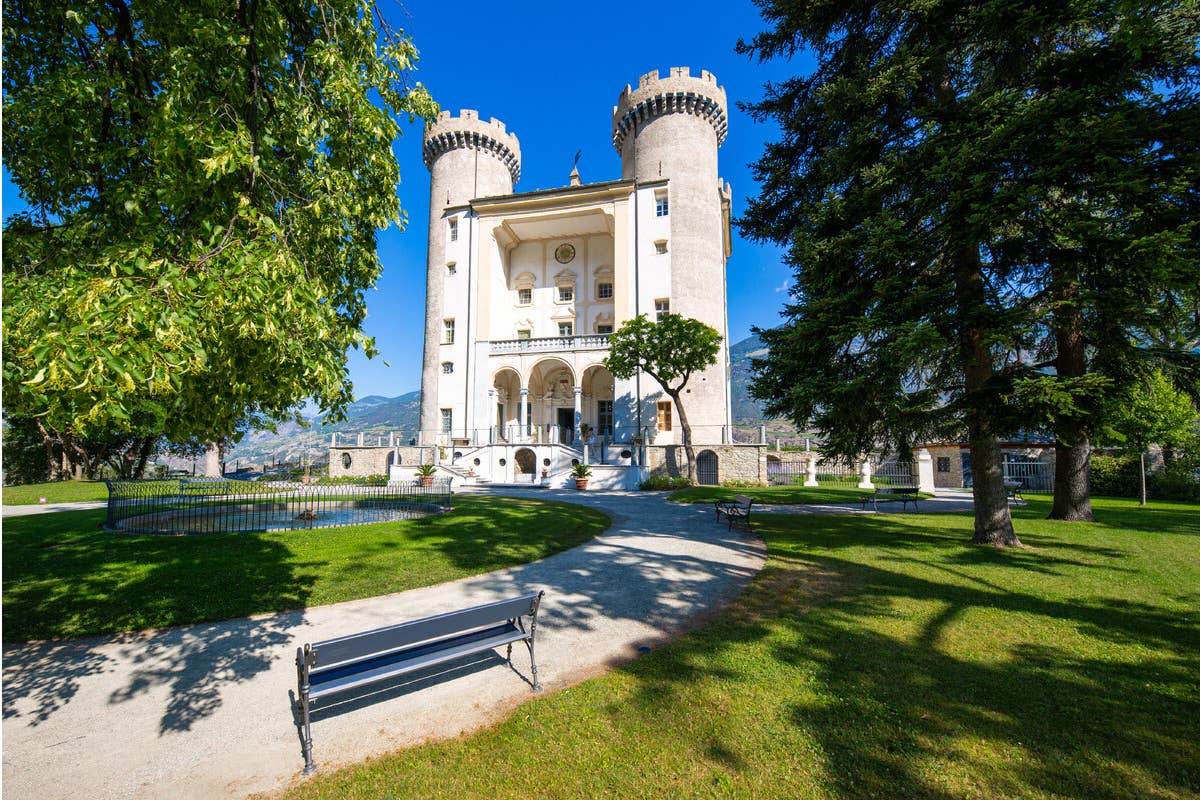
(524, 289)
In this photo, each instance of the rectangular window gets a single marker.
(454, 230)
(448, 331)
(664, 415)
(661, 308)
(566, 329)
(660, 206)
(604, 421)
(447, 367)
(524, 333)
(604, 329)
(660, 246)
(604, 291)
(447, 420)
(524, 296)
(566, 294)
(943, 463)
(451, 268)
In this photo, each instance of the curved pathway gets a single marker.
(206, 710)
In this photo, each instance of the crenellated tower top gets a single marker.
(680, 93)
(468, 131)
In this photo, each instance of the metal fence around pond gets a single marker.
(194, 505)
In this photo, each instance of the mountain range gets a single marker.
(376, 415)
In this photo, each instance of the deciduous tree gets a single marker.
(669, 351)
(206, 183)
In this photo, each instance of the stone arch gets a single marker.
(552, 383)
(598, 395)
(526, 464)
(506, 392)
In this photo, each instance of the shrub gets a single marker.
(1177, 482)
(660, 482)
(1115, 476)
(353, 480)
(742, 484)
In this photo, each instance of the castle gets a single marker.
(523, 290)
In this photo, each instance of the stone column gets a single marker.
(925, 482)
(810, 471)
(865, 472)
(578, 410)
(522, 415)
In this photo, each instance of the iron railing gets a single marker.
(1034, 477)
(195, 505)
(900, 474)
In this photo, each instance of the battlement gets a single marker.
(678, 93)
(468, 131)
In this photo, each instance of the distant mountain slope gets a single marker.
(371, 414)
(746, 410)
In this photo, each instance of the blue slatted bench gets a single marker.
(349, 662)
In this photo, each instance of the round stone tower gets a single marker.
(669, 129)
(467, 158)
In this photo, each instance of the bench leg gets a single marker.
(305, 719)
(509, 655)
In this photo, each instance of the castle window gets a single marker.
(447, 420)
(524, 333)
(451, 268)
(447, 367)
(604, 329)
(604, 291)
(566, 329)
(664, 415)
(454, 230)
(943, 464)
(660, 206)
(660, 247)
(447, 331)
(662, 307)
(524, 297)
(566, 294)
(604, 417)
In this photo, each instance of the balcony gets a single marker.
(548, 344)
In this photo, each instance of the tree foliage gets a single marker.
(206, 184)
(670, 351)
(976, 199)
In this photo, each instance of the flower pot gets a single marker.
(581, 483)
(426, 481)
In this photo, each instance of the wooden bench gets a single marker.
(902, 494)
(739, 508)
(350, 662)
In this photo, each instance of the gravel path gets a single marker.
(206, 710)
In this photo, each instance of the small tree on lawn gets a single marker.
(1154, 412)
(669, 351)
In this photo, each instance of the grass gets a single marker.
(883, 657)
(55, 492)
(771, 495)
(64, 577)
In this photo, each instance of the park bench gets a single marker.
(1013, 490)
(203, 485)
(738, 509)
(903, 494)
(350, 662)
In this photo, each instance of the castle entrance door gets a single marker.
(566, 425)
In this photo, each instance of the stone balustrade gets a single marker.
(543, 344)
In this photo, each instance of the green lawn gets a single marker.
(772, 495)
(881, 657)
(65, 577)
(55, 492)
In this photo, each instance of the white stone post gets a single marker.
(865, 472)
(391, 438)
(924, 471)
(360, 439)
(333, 440)
(810, 471)
(585, 453)
(762, 434)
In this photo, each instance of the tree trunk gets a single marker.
(1072, 474)
(1072, 448)
(687, 436)
(993, 523)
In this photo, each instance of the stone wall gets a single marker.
(735, 462)
(366, 461)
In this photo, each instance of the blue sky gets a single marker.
(552, 71)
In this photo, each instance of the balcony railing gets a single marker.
(597, 341)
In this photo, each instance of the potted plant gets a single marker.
(581, 473)
(425, 472)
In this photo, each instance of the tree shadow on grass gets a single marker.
(92, 578)
(911, 713)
